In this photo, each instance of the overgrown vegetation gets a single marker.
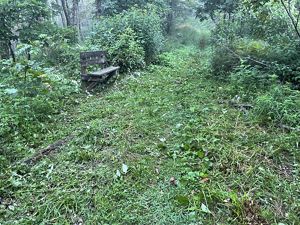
(131, 38)
(201, 127)
(256, 50)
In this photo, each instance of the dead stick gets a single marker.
(46, 151)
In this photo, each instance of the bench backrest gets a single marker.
(92, 58)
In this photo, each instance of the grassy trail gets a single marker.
(165, 123)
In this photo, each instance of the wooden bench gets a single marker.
(96, 58)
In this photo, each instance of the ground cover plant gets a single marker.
(199, 160)
(200, 127)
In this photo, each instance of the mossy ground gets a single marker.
(165, 122)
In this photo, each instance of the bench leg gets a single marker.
(115, 75)
(84, 85)
(88, 85)
(110, 76)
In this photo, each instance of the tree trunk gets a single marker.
(75, 10)
(62, 16)
(11, 51)
(169, 22)
(66, 12)
(170, 17)
(98, 4)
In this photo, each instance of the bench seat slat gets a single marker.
(104, 71)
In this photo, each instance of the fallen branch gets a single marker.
(245, 58)
(46, 151)
(237, 105)
(285, 127)
(241, 106)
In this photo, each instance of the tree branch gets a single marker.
(290, 15)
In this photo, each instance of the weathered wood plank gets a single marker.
(104, 71)
(93, 58)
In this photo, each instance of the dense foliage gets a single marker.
(256, 47)
(130, 38)
(15, 25)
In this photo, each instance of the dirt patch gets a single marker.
(252, 214)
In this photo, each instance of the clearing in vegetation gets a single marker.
(164, 146)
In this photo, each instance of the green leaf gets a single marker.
(162, 146)
(194, 208)
(185, 147)
(203, 175)
(182, 200)
(205, 209)
(16, 183)
(193, 109)
(201, 154)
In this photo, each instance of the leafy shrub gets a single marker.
(282, 60)
(33, 89)
(250, 47)
(187, 34)
(57, 49)
(145, 27)
(285, 62)
(262, 35)
(248, 80)
(148, 26)
(280, 106)
(127, 52)
(124, 49)
(29, 95)
(223, 62)
(265, 59)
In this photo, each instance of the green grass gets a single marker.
(167, 122)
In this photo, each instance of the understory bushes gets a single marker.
(59, 48)
(223, 62)
(250, 81)
(282, 61)
(261, 66)
(29, 95)
(187, 34)
(123, 48)
(189, 31)
(272, 90)
(280, 106)
(35, 85)
(131, 39)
